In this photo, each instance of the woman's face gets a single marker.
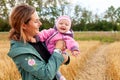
(33, 25)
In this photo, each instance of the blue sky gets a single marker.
(96, 6)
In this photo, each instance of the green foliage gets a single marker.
(45, 24)
(118, 27)
(4, 26)
(96, 26)
(49, 10)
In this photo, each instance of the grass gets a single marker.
(3, 36)
(77, 63)
(88, 44)
(100, 36)
(113, 61)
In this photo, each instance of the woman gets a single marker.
(33, 60)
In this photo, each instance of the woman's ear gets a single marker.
(23, 26)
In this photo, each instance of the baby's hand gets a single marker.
(75, 53)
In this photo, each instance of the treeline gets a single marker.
(98, 26)
(49, 10)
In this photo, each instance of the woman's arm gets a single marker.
(39, 68)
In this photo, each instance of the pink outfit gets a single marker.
(50, 37)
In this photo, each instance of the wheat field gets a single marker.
(97, 61)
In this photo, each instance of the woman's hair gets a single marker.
(21, 14)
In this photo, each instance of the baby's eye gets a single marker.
(66, 24)
(61, 23)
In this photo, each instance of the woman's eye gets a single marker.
(36, 21)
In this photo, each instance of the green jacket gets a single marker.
(31, 65)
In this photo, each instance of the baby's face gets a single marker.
(63, 26)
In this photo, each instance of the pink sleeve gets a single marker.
(45, 34)
(72, 44)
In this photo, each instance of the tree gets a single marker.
(110, 14)
(77, 14)
(53, 9)
(117, 15)
(86, 15)
(4, 9)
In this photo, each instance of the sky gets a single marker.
(96, 6)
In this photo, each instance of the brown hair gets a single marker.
(19, 15)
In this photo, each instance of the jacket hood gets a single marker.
(19, 48)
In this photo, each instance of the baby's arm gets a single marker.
(45, 34)
(73, 46)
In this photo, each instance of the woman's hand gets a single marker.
(65, 58)
(60, 44)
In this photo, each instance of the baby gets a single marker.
(61, 30)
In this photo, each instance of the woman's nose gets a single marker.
(40, 23)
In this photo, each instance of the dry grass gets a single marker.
(77, 63)
(4, 47)
(113, 61)
(8, 70)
